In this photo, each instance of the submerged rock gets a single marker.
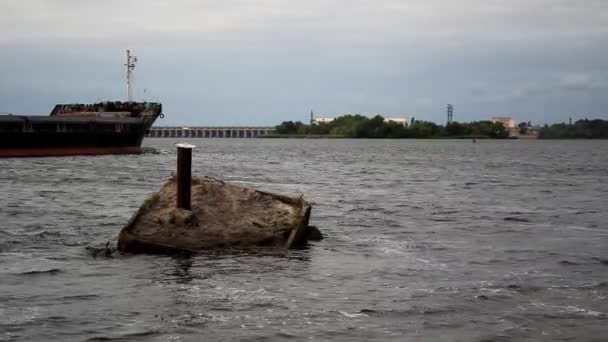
(222, 215)
(106, 251)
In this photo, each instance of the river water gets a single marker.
(427, 240)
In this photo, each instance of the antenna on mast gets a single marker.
(131, 60)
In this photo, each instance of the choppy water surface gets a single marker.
(425, 240)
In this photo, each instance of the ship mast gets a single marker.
(131, 60)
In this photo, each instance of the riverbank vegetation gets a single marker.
(359, 126)
(581, 129)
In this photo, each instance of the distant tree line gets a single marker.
(581, 129)
(359, 126)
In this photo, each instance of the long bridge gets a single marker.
(209, 132)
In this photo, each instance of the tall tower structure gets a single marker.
(450, 113)
(312, 117)
(131, 60)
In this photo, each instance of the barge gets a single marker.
(79, 129)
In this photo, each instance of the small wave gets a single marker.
(602, 261)
(445, 212)
(285, 334)
(353, 315)
(568, 263)
(124, 337)
(389, 312)
(436, 311)
(524, 288)
(52, 271)
(582, 212)
(150, 150)
(44, 234)
(501, 231)
(516, 219)
(600, 285)
(569, 312)
(407, 312)
(486, 262)
(440, 219)
(81, 297)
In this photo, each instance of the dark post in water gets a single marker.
(184, 175)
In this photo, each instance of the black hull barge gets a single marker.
(79, 129)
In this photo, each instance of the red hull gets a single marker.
(66, 151)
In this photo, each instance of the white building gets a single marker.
(505, 121)
(322, 120)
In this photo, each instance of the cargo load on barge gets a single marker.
(110, 127)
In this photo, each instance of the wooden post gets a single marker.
(184, 175)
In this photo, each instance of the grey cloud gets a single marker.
(337, 20)
(583, 81)
(216, 62)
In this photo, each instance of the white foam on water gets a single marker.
(18, 316)
(585, 312)
(353, 315)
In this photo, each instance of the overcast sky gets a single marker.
(237, 62)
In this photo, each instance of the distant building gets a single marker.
(505, 121)
(322, 120)
(402, 121)
(528, 133)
